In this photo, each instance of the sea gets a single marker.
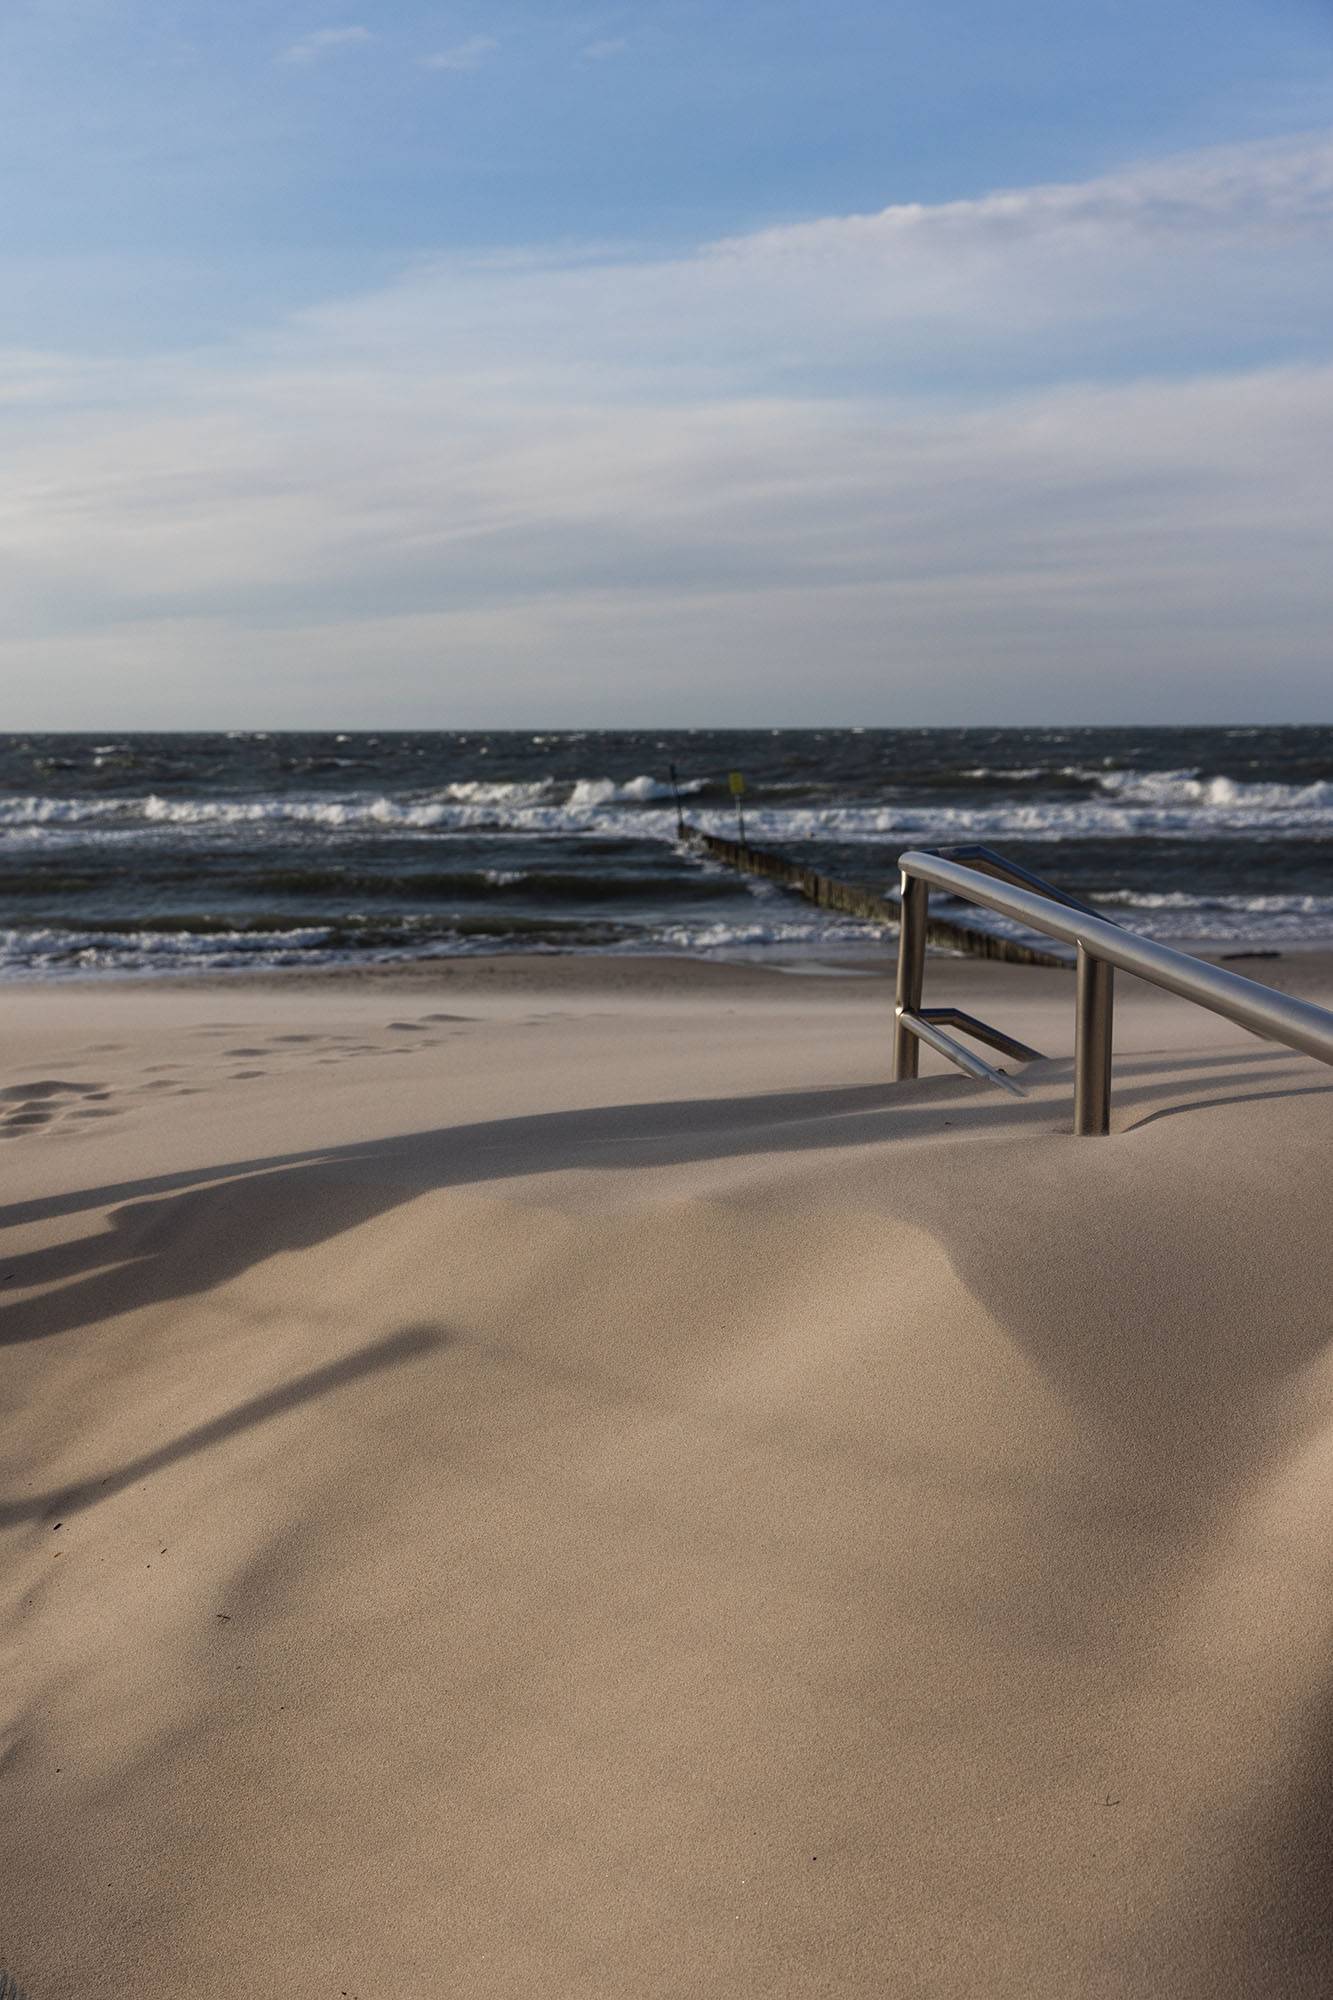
(248, 850)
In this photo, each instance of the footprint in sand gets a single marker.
(28, 1093)
(20, 1121)
(25, 1106)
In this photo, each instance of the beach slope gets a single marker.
(536, 1485)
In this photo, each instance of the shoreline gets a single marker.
(1305, 970)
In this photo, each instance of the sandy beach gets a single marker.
(554, 1478)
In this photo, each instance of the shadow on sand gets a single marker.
(411, 1344)
(1086, 1313)
(1168, 1301)
(176, 1235)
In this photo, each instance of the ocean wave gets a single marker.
(153, 810)
(492, 792)
(60, 954)
(530, 803)
(1272, 809)
(719, 939)
(51, 952)
(1190, 788)
(1205, 921)
(1179, 899)
(1052, 801)
(591, 792)
(777, 929)
(1288, 809)
(1007, 774)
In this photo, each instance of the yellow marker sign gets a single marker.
(737, 784)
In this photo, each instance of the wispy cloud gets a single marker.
(323, 42)
(470, 54)
(1193, 265)
(1263, 185)
(613, 45)
(671, 485)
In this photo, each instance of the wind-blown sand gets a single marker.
(547, 1483)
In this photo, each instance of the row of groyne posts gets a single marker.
(848, 898)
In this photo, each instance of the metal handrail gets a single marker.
(1101, 946)
(987, 862)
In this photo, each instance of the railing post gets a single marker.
(1094, 1007)
(911, 973)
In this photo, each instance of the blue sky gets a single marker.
(513, 364)
(279, 150)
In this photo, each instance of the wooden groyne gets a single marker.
(856, 902)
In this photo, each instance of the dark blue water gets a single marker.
(148, 853)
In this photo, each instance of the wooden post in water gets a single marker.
(853, 901)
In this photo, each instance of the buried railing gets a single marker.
(1101, 946)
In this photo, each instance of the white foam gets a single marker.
(776, 826)
(721, 938)
(1187, 788)
(590, 793)
(481, 792)
(1014, 772)
(530, 805)
(61, 953)
(1179, 899)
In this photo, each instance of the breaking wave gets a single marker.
(1129, 804)
(537, 805)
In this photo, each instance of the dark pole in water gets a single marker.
(675, 793)
(738, 793)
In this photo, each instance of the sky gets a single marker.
(769, 363)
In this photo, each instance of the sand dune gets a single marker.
(534, 1485)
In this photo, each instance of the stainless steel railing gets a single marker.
(1101, 946)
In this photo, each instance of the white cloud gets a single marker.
(705, 486)
(467, 55)
(324, 42)
(1262, 186)
(1184, 265)
(602, 51)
